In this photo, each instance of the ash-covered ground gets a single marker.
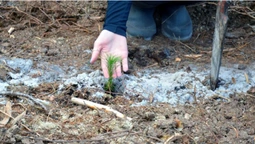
(176, 87)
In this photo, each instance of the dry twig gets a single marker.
(151, 137)
(36, 101)
(7, 112)
(171, 138)
(243, 11)
(187, 46)
(219, 96)
(237, 134)
(250, 95)
(193, 55)
(46, 14)
(149, 66)
(34, 18)
(15, 120)
(229, 49)
(84, 140)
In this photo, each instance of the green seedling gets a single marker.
(112, 64)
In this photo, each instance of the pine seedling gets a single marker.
(112, 62)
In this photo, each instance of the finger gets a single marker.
(95, 54)
(125, 64)
(104, 68)
(117, 72)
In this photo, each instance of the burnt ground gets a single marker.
(60, 32)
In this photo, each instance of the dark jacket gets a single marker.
(116, 16)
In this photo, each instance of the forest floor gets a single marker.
(62, 34)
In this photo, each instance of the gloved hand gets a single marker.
(109, 43)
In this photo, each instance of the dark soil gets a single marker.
(60, 32)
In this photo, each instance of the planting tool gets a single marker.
(218, 41)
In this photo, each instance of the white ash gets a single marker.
(173, 88)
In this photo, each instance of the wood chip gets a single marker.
(233, 80)
(11, 30)
(246, 77)
(178, 59)
(8, 112)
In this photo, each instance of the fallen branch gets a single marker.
(99, 106)
(39, 102)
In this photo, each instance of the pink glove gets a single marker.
(109, 43)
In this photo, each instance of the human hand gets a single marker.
(109, 43)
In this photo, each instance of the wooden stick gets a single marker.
(218, 41)
(99, 106)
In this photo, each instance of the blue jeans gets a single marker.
(175, 20)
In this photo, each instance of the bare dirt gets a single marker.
(61, 33)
